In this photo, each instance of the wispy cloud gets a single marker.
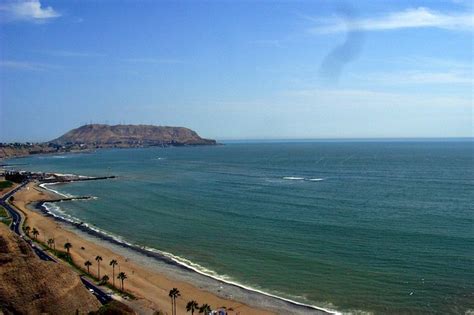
(267, 42)
(373, 98)
(27, 10)
(419, 77)
(411, 18)
(25, 65)
(65, 53)
(153, 60)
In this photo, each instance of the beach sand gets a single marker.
(148, 286)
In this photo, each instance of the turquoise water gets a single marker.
(385, 227)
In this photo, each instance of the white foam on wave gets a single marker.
(57, 212)
(315, 179)
(303, 178)
(45, 186)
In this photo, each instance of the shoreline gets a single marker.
(219, 287)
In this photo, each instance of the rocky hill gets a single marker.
(130, 136)
(33, 286)
(94, 136)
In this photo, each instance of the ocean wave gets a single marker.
(303, 178)
(56, 211)
(45, 186)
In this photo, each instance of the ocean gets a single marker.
(383, 227)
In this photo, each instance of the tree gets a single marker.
(35, 233)
(174, 294)
(27, 230)
(122, 276)
(192, 306)
(113, 263)
(88, 264)
(50, 242)
(68, 246)
(98, 259)
(104, 279)
(206, 309)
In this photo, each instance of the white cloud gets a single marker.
(27, 10)
(411, 18)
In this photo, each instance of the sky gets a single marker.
(238, 69)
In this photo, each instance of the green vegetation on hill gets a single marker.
(5, 184)
(4, 217)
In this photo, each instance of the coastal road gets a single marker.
(16, 217)
(103, 297)
(16, 223)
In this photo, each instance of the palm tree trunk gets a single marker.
(113, 276)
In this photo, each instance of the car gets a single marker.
(90, 290)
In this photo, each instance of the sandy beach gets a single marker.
(150, 287)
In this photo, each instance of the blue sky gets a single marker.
(240, 69)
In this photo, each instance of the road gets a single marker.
(16, 217)
(103, 297)
(16, 228)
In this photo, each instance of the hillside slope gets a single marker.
(32, 286)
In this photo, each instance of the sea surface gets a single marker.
(374, 226)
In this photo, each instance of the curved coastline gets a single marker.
(170, 259)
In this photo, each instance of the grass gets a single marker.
(5, 184)
(5, 217)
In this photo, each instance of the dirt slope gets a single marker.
(29, 285)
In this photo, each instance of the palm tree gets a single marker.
(206, 309)
(113, 263)
(88, 264)
(50, 242)
(68, 246)
(174, 294)
(98, 259)
(104, 279)
(192, 306)
(122, 276)
(35, 233)
(27, 230)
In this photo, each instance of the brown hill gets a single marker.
(29, 285)
(131, 135)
